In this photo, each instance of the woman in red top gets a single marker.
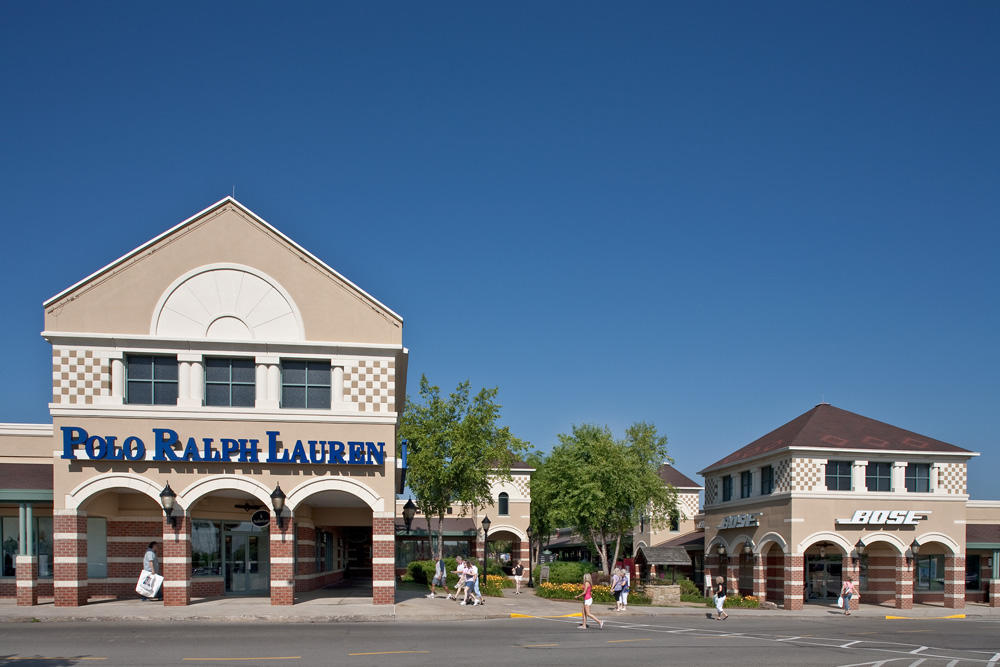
(588, 600)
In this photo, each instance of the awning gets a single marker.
(663, 556)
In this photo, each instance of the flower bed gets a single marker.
(602, 594)
(746, 601)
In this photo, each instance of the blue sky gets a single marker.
(709, 216)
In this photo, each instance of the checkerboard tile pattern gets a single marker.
(952, 478)
(808, 474)
(521, 483)
(78, 376)
(783, 476)
(688, 504)
(711, 490)
(371, 385)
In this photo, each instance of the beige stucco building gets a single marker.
(226, 363)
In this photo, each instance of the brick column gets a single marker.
(712, 568)
(904, 583)
(384, 559)
(27, 580)
(954, 582)
(176, 559)
(759, 577)
(733, 574)
(794, 582)
(994, 592)
(852, 568)
(69, 547)
(283, 562)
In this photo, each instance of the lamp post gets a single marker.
(531, 579)
(167, 500)
(486, 531)
(409, 510)
(278, 502)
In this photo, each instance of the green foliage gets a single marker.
(422, 572)
(455, 448)
(602, 594)
(565, 572)
(688, 587)
(736, 601)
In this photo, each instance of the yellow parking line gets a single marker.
(538, 645)
(281, 657)
(387, 652)
(58, 658)
(923, 618)
(576, 615)
(619, 641)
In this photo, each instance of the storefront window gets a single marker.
(930, 573)
(973, 582)
(838, 475)
(230, 382)
(878, 476)
(918, 477)
(150, 380)
(305, 384)
(206, 548)
(9, 539)
(97, 547)
(863, 573)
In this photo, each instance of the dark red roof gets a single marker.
(692, 539)
(26, 476)
(672, 475)
(832, 428)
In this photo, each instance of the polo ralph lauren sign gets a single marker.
(169, 446)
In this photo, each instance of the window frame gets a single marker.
(231, 383)
(503, 504)
(912, 479)
(877, 477)
(839, 476)
(746, 484)
(766, 473)
(325, 367)
(727, 488)
(152, 380)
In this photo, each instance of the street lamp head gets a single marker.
(409, 510)
(278, 503)
(168, 500)
(486, 525)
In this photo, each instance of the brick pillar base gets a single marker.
(733, 575)
(852, 568)
(27, 580)
(794, 582)
(994, 592)
(712, 570)
(384, 560)
(283, 562)
(904, 583)
(954, 582)
(69, 566)
(176, 559)
(759, 577)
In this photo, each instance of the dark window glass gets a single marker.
(727, 488)
(746, 484)
(878, 476)
(930, 573)
(766, 480)
(675, 519)
(305, 384)
(229, 382)
(503, 504)
(838, 475)
(918, 477)
(972, 573)
(150, 380)
(206, 548)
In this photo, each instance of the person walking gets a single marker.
(847, 592)
(151, 563)
(616, 587)
(588, 599)
(460, 571)
(518, 573)
(473, 570)
(440, 576)
(720, 599)
(626, 584)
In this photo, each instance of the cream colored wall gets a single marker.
(983, 511)
(687, 504)
(18, 448)
(122, 300)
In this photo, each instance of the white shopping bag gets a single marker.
(149, 584)
(840, 602)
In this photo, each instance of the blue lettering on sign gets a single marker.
(169, 446)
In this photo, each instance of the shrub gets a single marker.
(602, 594)
(745, 601)
(564, 572)
(422, 571)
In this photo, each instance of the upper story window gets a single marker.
(150, 380)
(878, 476)
(727, 488)
(838, 475)
(305, 384)
(503, 504)
(675, 520)
(918, 477)
(766, 480)
(746, 484)
(230, 382)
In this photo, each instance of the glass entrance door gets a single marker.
(246, 559)
(823, 577)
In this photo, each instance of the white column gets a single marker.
(261, 386)
(268, 382)
(185, 390)
(117, 380)
(858, 476)
(899, 477)
(935, 477)
(198, 382)
(274, 384)
(338, 387)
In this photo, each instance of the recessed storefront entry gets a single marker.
(823, 577)
(246, 559)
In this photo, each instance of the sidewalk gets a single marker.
(351, 607)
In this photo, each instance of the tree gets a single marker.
(600, 486)
(455, 450)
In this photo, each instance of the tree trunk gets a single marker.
(430, 536)
(618, 546)
(602, 547)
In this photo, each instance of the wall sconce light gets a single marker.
(278, 503)
(859, 551)
(721, 550)
(914, 550)
(748, 547)
(409, 510)
(822, 550)
(168, 499)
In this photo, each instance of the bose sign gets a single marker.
(885, 518)
(739, 521)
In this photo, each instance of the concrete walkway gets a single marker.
(347, 606)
